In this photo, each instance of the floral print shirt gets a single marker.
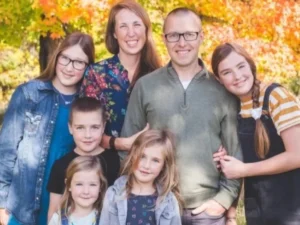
(108, 82)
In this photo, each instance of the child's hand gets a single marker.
(3, 217)
(233, 168)
(217, 156)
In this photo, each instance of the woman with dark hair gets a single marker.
(35, 132)
(269, 131)
(129, 38)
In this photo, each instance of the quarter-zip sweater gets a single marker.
(203, 116)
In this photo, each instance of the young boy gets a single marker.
(86, 124)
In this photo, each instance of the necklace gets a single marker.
(67, 99)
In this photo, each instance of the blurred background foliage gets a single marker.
(30, 30)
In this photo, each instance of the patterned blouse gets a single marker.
(108, 82)
(141, 209)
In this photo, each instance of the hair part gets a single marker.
(79, 164)
(87, 104)
(149, 60)
(168, 178)
(181, 11)
(261, 138)
(86, 43)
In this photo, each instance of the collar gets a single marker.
(45, 85)
(200, 74)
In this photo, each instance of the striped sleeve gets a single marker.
(284, 109)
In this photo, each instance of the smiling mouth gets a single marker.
(144, 172)
(240, 83)
(132, 43)
(182, 52)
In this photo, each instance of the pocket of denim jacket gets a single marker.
(31, 123)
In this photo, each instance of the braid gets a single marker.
(255, 93)
(261, 137)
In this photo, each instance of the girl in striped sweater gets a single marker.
(269, 132)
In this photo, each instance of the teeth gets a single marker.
(131, 42)
(182, 52)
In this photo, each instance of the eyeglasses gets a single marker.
(188, 36)
(77, 64)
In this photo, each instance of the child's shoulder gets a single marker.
(67, 158)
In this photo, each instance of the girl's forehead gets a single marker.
(85, 175)
(155, 151)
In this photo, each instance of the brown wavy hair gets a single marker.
(168, 178)
(261, 138)
(86, 43)
(149, 60)
(82, 163)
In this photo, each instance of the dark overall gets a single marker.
(274, 199)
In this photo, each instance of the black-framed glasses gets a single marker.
(188, 36)
(77, 64)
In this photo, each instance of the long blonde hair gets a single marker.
(261, 137)
(168, 178)
(82, 163)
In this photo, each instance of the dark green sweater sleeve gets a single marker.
(229, 189)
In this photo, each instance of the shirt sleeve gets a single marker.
(135, 119)
(284, 109)
(11, 134)
(55, 220)
(229, 188)
(56, 183)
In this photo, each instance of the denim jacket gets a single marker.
(114, 211)
(24, 142)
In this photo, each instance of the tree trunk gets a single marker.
(47, 47)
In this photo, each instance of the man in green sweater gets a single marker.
(185, 98)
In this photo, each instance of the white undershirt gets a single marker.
(185, 83)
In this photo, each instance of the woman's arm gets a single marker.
(10, 136)
(283, 162)
(121, 143)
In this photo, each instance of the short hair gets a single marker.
(86, 43)
(180, 10)
(87, 104)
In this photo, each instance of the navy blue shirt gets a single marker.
(141, 209)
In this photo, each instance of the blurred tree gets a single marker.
(269, 30)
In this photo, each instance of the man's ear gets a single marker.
(164, 39)
(201, 35)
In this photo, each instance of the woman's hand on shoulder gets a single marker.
(126, 143)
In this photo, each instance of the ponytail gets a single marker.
(261, 138)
